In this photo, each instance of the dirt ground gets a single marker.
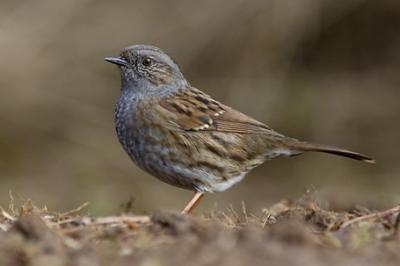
(288, 233)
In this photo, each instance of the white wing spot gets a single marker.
(202, 127)
(219, 113)
(205, 126)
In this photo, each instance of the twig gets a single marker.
(7, 215)
(244, 210)
(68, 221)
(228, 219)
(11, 205)
(73, 211)
(381, 214)
(121, 220)
(115, 221)
(235, 216)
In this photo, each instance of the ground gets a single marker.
(291, 233)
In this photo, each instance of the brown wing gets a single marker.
(197, 111)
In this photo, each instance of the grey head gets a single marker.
(147, 70)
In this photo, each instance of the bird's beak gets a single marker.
(116, 60)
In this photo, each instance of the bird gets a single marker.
(184, 137)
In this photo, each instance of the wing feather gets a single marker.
(197, 111)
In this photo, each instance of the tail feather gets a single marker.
(305, 146)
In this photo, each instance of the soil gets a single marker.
(288, 233)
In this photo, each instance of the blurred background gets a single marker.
(326, 71)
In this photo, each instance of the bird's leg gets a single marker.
(192, 203)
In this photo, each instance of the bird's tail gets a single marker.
(305, 146)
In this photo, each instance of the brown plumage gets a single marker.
(184, 137)
(197, 111)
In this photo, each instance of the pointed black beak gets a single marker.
(116, 60)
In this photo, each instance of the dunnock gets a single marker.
(186, 138)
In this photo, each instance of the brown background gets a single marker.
(326, 71)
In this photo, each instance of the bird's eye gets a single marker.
(147, 61)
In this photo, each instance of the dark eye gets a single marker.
(147, 61)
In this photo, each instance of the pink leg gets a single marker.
(192, 203)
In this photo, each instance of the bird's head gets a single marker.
(146, 68)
